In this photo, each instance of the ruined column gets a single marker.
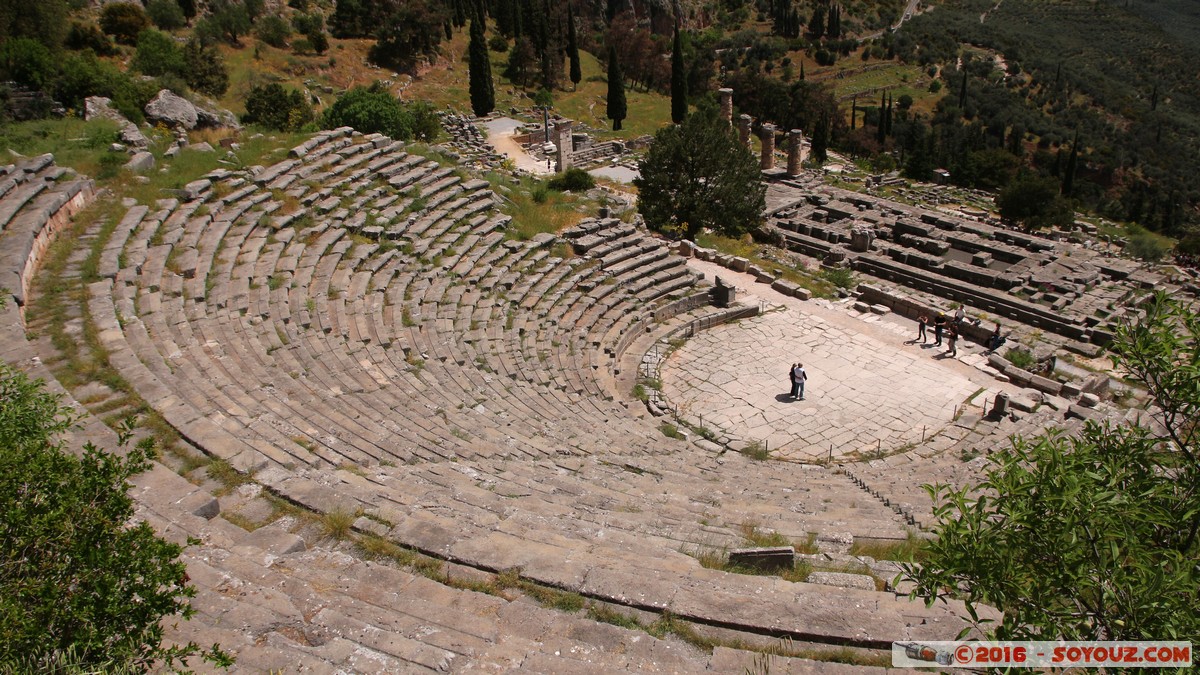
(768, 147)
(726, 96)
(562, 139)
(744, 122)
(795, 152)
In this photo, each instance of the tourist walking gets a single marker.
(799, 377)
(792, 376)
(922, 322)
(938, 327)
(952, 341)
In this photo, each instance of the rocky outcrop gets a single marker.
(172, 110)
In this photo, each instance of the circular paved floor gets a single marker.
(862, 392)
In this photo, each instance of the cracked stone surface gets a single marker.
(863, 393)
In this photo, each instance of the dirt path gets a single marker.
(500, 136)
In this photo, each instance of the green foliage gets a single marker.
(166, 14)
(406, 32)
(204, 69)
(1020, 357)
(573, 180)
(74, 574)
(124, 21)
(679, 92)
(374, 110)
(1034, 202)
(615, 103)
(483, 94)
(26, 61)
(89, 36)
(43, 20)
(274, 107)
(1088, 537)
(696, 175)
(157, 54)
(1145, 245)
(84, 75)
(227, 20)
(273, 30)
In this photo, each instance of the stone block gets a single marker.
(141, 162)
(880, 309)
(1070, 390)
(860, 306)
(998, 362)
(739, 264)
(842, 580)
(835, 543)
(1018, 375)
(1089, 400)
(1045, 384)
(200, 504)
(802, 293)
(765, 559)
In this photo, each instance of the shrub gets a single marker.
(370, 110)
(124, 21)
(205, 69)
(498, 43)
(78, 576)
(273, 30)
(26, 61)
(306, 24)
(274, 107)
(166, 14)
(227, 21)
(89, 36)
(318, 41)
(1146, 246)
(157, 54)
(1020, 357)
(575, 180)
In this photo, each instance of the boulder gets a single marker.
(141, 162)
(133, 137)
(100, 107)
(171, 110)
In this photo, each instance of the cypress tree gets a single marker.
(888, 127)
(679, 105)
(962, 93)
(616, 90)
(801, 71)
(483, 93)
(881, 130)
(573, 49)
(853, 114)
(820, 138)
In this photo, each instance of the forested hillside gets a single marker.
(1120, 75)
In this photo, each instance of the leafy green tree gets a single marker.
(204, 69)
(697, 175)
(1033, 201)
(227, 21)
(1068, 179)
(573, 179)
(374, 110)
(1093, 537)
(43, 20)
(410, 31)
(75, 576)
(166, 14)
(616, 90)
(89, 36)
(124, 21)
(157, 54)
(273, 30)
(483, 93)
(679, 94)
(274, 107)
(318, 40)
(27, 61)
(576, 73)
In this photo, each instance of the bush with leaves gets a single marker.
(375, 110)
(273, 30)
(82, 75)
(574, 180)
(274, 107)
(157, 54)
(89, 36)
(204, 69)
(166, 14)
(227, 21)
(75, 575)
(1091, 537)
(124, 21)
(26, 61)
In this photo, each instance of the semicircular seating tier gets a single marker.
(353, 327)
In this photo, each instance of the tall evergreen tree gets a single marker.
(881, 130)
(616, 90)
(853, 113)
(962, 92)
(820, 138)
(679, 95)
(573, 48)
(483, 93)
(888, 123)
